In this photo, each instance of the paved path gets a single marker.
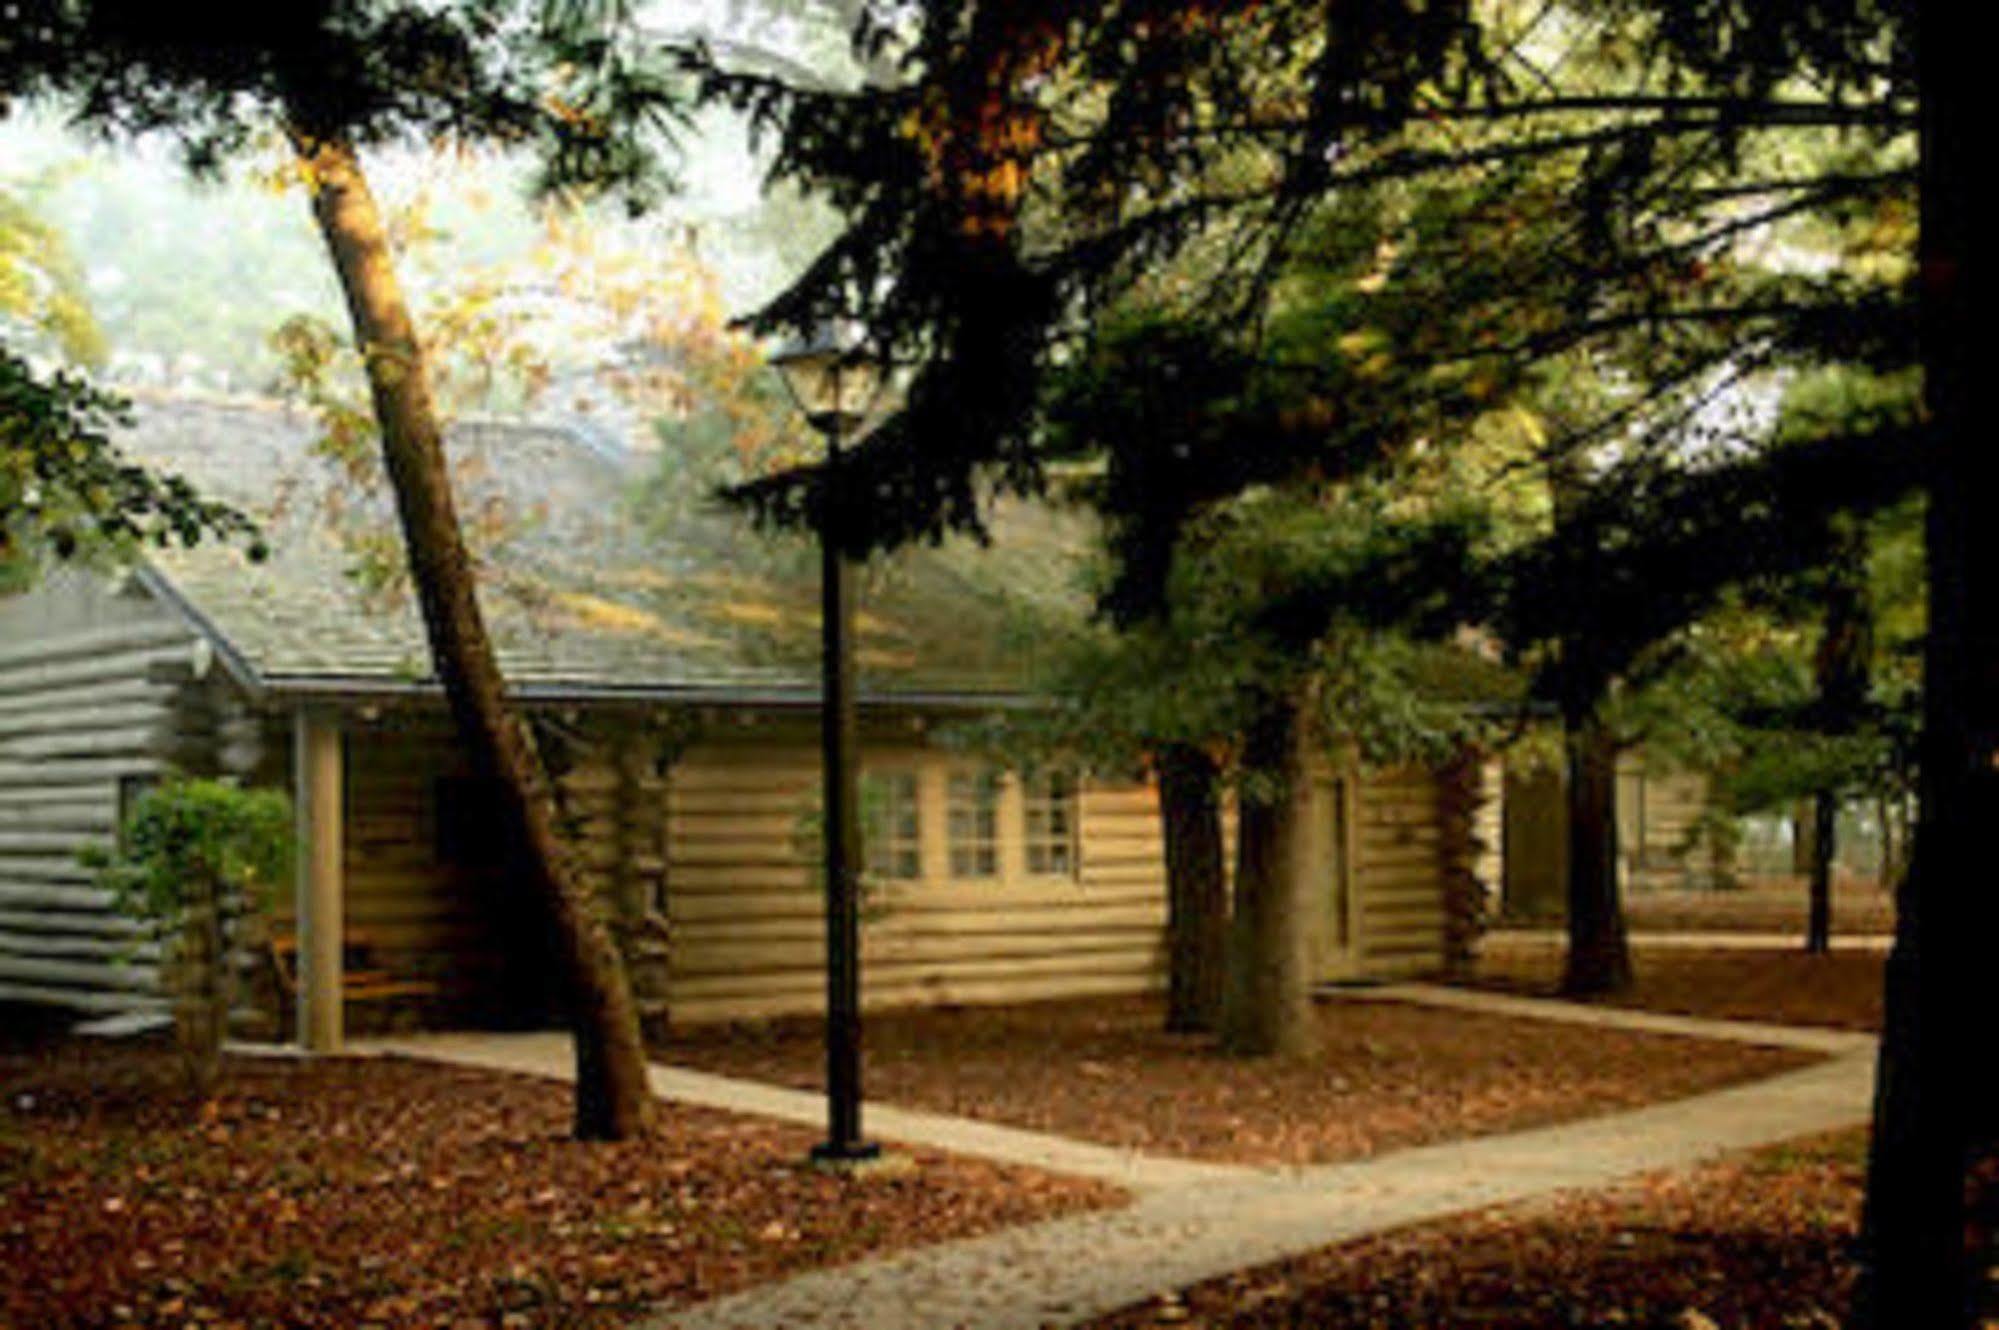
(548, 1054)
(1191, 1222)
(1811, 1039)
(1694, 941)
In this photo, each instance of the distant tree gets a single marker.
(65, 489)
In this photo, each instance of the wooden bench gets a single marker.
(360, 979)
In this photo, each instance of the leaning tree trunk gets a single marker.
(1197, 920)
(1935, 1091)
(612, 1099)
(1599, 959)
(1269, 996)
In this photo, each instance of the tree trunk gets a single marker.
(612, 1098)
(1599, 961)
(1804, 836)
(1893, 815)
(201, 1014)
(1269, 1005)
(1935, 1088)
(1818, 922)
(1197, 895)
(1843, 676)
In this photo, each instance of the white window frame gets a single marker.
(970, 856)
(1045, 798)
(893, 856)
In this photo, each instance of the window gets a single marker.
(131, 789)
(1050, 805)
(894, 825)
(973, 806)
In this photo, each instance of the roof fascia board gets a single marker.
(363, 689)
(234, 662)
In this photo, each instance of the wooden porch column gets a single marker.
(316, 783)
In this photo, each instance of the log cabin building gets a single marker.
(667, 655)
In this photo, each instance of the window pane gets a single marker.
(893, 829)
(1051, 824)
(974, 823)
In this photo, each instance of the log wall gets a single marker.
(80, 710)
(747, 915)
(469, 925)
(1401, 856)
(718, 911)
(1659, 810)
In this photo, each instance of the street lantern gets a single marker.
(833, 381)
(835, 385)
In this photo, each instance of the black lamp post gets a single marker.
(835, 386)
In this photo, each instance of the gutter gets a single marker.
(362, 688)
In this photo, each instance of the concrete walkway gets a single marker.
(548, 1054)
(1694, 941)
(1810, 1039)
(1191, 1222)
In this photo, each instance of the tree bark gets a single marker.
(1804, 837)
(1599, 959)
(201, 1009)
(1935, 1087)
(1843, 676)
(1196, 893)
(1269, 1005)
(1818, 920)
(612, 1098)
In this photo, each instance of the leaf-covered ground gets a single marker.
(1842, 989)
(1387, 1076)
(1771, 904)
(392, 1194)
(1760, 1241)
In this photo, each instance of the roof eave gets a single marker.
(363, 689)
(239, 668)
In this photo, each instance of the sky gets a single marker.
(187, 277)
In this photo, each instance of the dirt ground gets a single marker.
(1388, 1075)
(1760, 1240)
(393, 1194)
(1842, 989)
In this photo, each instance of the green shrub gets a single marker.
(193, 860)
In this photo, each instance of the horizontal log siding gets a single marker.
(1398, 873)
(422, 917)
(466, 928)
(77, 714)
(747, 917)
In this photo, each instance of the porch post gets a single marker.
(316, 784)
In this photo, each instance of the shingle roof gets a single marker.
(582, 592)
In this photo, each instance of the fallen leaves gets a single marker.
(392, 1194)
(1787, 987)
(1761, 1241)
(1388, 1075)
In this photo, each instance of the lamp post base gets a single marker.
(846, 1156)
